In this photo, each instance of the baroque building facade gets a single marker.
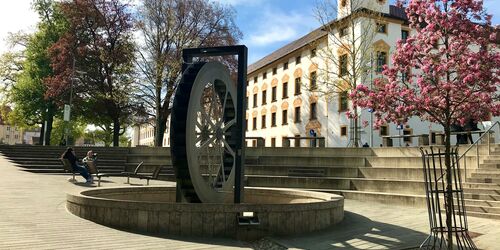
(288, 94)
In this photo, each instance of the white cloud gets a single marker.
(277, 26)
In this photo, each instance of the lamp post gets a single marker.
(371, 110)
(67, 108)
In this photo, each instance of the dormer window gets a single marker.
(382, 28)
(343, 3)
(343, 31)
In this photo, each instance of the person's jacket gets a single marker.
(71, 158)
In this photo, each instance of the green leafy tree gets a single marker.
(27, 94)
(76, 130)
(99, 43)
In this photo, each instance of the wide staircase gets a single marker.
(39, 159)
(111, 160)
(386, 175)
(482, 189)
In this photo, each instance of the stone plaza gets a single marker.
(34, 216)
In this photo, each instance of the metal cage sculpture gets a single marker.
(207, 132)
(436, 193)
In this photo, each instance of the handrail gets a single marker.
(476, 143)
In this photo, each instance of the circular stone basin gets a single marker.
(154, 210)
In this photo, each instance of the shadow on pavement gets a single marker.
(357, 232)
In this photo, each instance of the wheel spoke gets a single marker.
(207, 143)
(229, 124)
(207, 118)
(228, 148)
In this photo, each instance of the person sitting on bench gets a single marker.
(70, 155)
(90, 157)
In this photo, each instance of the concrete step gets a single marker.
(491, 160)
(491, 186)
(312, 161)
(484, 215)
(489, 197)
(489, 166)
(394, 162)
(482, 203)
(482, 209)
(491, 175)
(360, 184)
(336, 171)
(481, 191)
(60, 171)
(484, 180)
(487, 170)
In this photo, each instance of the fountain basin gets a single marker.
(153, 209)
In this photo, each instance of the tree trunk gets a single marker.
(161, 127)
(449, 193)
(50, 121)
(116, 132)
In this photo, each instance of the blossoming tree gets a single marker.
(446, 72)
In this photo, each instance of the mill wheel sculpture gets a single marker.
(203, 133)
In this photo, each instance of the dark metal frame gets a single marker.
(242, 52)
(435, 177)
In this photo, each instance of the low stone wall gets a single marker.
(153, 210)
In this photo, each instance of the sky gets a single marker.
(266, 25)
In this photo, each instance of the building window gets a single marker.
(246, 102)
(407, 131)
(254, 143)
(381, 61)
(7, 136)
(343, 3)
(254, 123)
(273, 142)
(273, 119)
(343, 65)
(263, 121)
(314, 85)
(264, 75)
(8, 128)
(285, 90)
(255, 80)
(343, 101)
(313, 114)
(298, 86)
(343, 31)
(297, 115)
(343, 130)
(297, 141)
(284, 117)
(382, 28)
(264, 93)
(246, 124)
(275, 70)
(384, 130)
(404, 35)
(273, 94)
(247, 83)
(254, 100)
(285, 66)
(297, 60)
(16, 137)
(313, 52)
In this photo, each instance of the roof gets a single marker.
(394, 12)
(287, 49)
